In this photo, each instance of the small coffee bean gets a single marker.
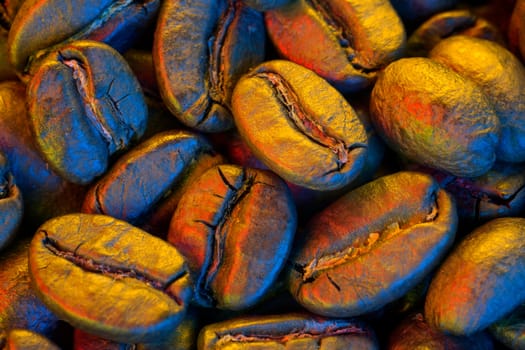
(107, 265)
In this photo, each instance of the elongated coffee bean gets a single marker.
(353, 39)
(372, 245)
(290, 331)
(108, 278)
(147, 177)
(299, 126)
(85, 104)
(481, 281)
(235, 241)
(201, 48)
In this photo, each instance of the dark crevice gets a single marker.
(291, 334)
(205, 223)
(89, 265)
(333, 283)
(301, 119)
(217, 239)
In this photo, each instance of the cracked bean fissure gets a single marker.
(216, 240)
(296, 334)
(290, 101)
(217, 55)
(88, 264)
(358, 248)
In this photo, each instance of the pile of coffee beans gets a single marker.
(262, 174)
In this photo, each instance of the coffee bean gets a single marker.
(430, 114)
(85, 105)
(90, 269)
(353, 39)
(201, 48)
(501, 76)
(235, 226)
(299, 126)
(372, 245)
(481, 280)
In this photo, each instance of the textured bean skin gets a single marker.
(372, 245)
(196, 41)
(85, 104)
(435, 117)
(288, 331)
(43, 24)
(326, 152)
(350, 43)
(81, 255)
(139, 181)
(501, 76)
(481, 280)
(236, 244)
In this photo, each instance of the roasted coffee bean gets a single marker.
(481, 281)
(11, 204)
(449, 23)
(201, 48)
(44, 193)
(290, 331)
(372, 245)
(128, 286)
(353, 39)
(146, 183)
(415, 333)
(21, 339)
(432, 115)
(19, 305)
(40, 25)
(299, 126)
(501, 76)
(236, 243)
(510, 330)
(85, 105)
